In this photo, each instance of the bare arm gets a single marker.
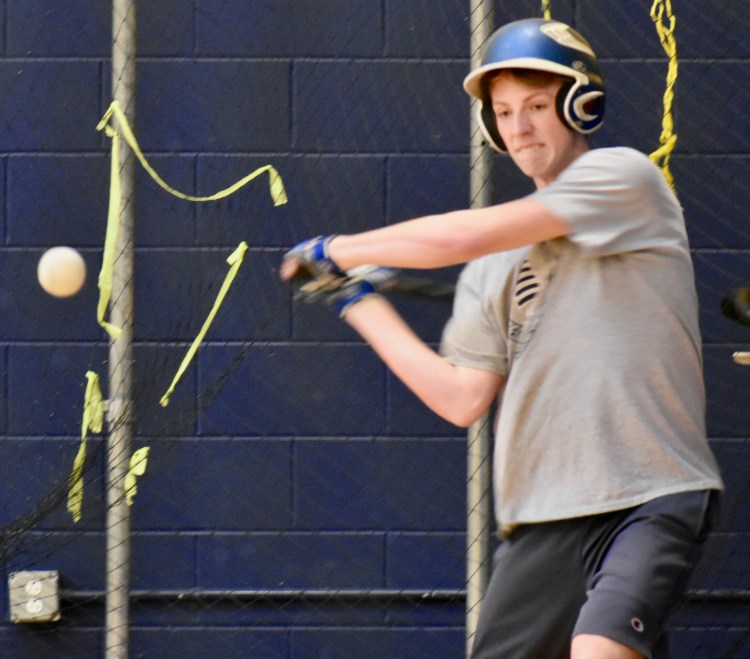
(458, 394)
(457, 237)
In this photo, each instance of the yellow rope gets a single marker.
(547, 9)
(661, 10)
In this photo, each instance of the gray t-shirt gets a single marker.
(597, 336)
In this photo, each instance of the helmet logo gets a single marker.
(579, 66)
(566, 36)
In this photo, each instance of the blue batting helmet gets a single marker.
(542, 45)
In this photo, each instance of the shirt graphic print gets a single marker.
(526, 309)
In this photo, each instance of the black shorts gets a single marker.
(617, 575)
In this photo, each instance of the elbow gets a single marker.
(464, 416)
(464, 406)
(464, 421)
(460, 422)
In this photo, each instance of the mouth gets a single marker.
(528, 148)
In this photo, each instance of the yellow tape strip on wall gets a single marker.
(93, 419)
(136, 469)
(276, 188)
(235, 261)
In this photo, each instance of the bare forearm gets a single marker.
(458, 395)
(448, 239)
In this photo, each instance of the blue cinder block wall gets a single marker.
(309, 467)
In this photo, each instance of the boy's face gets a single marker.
(535, 137)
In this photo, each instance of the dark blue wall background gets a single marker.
(289, 458)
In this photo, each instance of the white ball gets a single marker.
(61, 271)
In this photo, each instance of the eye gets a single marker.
(502, 114)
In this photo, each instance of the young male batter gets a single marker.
(577, 312)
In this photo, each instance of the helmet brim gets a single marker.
(473, 81)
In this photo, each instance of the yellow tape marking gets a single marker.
(93, 419)
(276, 188)
(137, 468)
(235, 261)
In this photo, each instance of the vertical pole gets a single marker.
(120, 404)
(479, 474)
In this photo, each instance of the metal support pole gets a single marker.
(482, 26)
(478, 522)
(120, 405)
(479, 474)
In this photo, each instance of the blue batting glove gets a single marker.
(311, 258)
(349, 294)
(343, 292)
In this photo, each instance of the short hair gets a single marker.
(532, 77)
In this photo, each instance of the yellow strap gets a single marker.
(547, 9)
(276, 187)
(137, 468)
(235, 261)
(93, 419)
(668, 138)
(110, 239)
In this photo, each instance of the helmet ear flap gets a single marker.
(579, 107)
(562, 103)
(488, 126)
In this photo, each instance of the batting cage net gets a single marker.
(197, 463)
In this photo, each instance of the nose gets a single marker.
(521, 123)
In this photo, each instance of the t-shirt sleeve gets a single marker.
(614, 200)
(472, 337)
